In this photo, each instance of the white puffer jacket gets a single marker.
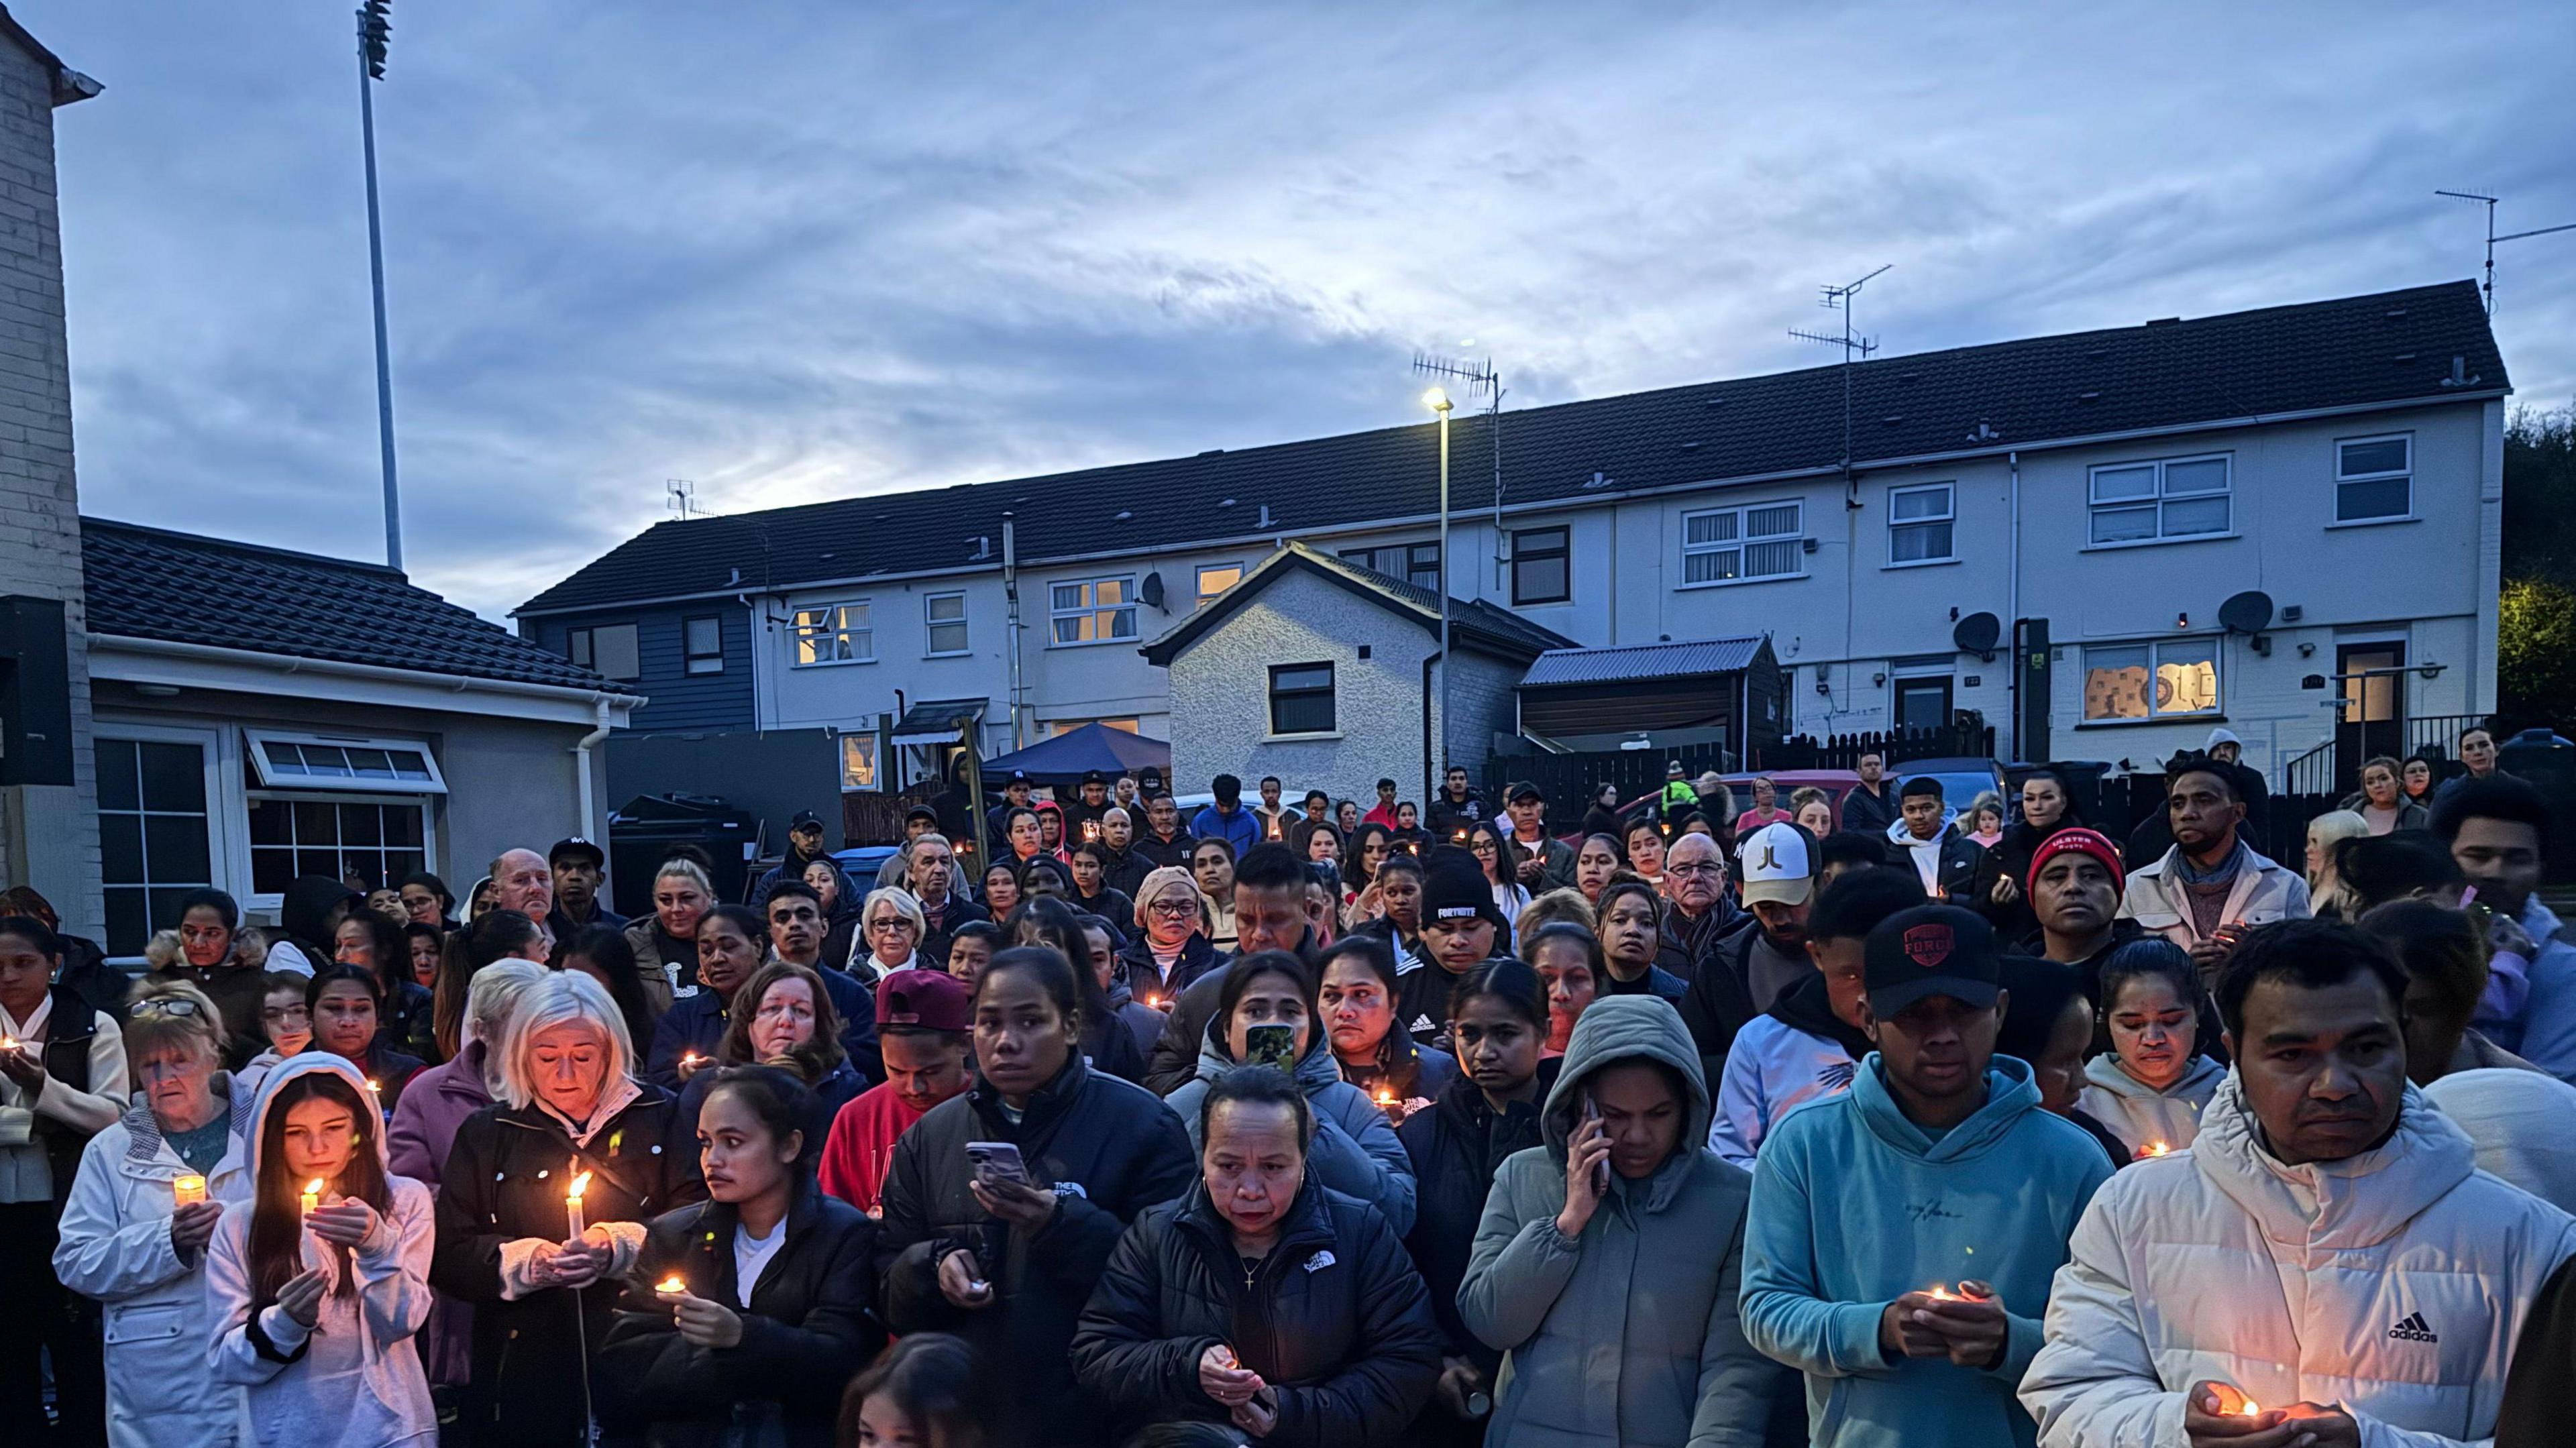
(2393, 1284)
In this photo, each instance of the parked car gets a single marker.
(1962, 778)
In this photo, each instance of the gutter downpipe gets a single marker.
(1430, 764)
(1011, 593)
(2012, 602)
(581, 769)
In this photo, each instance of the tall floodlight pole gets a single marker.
(1437, 400)
(375, 32)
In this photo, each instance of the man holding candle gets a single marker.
(923, 1020)
(2327, 1248)
(1902, 1234)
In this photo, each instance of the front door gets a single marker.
(1923, 703)
(2374, 707)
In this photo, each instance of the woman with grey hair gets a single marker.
(433, 1109)
(541, 1277)
(890, 928)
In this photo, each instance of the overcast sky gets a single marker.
(797, 251)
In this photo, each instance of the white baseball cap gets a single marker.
(1777, 862)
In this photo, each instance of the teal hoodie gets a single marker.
(1855, 1205)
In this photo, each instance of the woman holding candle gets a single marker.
(1261, 1300)
(733, 941)
(1355, 1151)
(142, 1210)
(317, 1274)
(347, 1004)
(746, 1313)
(1170, 948)
(1357, 1005)
(2149, 1088)
(541, 1290)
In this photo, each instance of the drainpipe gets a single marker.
(581, 768)
(1430, 761)
(1011, 594)
(2012, 602)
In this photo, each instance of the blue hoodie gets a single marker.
(1854, 1205)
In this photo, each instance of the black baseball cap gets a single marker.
(1521, 790)
(1094, 776)
(576, 848)
(1018, 776)
(921, 812)
(1931, 950)
(805, 819)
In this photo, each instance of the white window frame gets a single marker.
(2154, 649)
(1739, 543)
(2158, 499)
(875, 766)
(691, 663)
(1093, 608)
(930, 626)
(833, 625)
(250, 852)
(2406, 474)
(1948, 517)
(222, 815)
(261, 777)
(1204, 595)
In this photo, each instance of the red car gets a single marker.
(1836, 783)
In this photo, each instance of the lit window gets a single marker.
(2154, 502)
(1301, 698)
(608, 648)
(2151, 681)
(2374, 478)
(859, 761)
(1919, 522)
(1725, 545)
(1093, 610)
(946, 615)
(702, 641)
(835, 633)
(1216, 578)
(1540, 571)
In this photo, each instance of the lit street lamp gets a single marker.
(1438, 401)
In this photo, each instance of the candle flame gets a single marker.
(2154, 1148)
(313, 1188)
(579, 1185)
(671, 1286)
(2252, 1409)
(1385, 1097)
(1940, 1293)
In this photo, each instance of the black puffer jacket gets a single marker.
(1108, 1148)
(1455, 1147)
(808, 1331)
(504, 1181)
(1334, 1317)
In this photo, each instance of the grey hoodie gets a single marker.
(1355, 1151)
(353, 1380)
(2139, 1114)
(1628, 1334)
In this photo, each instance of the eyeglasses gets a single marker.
(898, 923)
(165, 1006)
(1704, 868)
(1174, 909)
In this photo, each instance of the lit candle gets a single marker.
(2153, 1148)
(190, 1190)
(572, 1204)
(692, 1058)
(8, 1043)
(670, 1286)
(312, 1196)
(2252, 1409)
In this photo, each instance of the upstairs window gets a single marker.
(1919, 523)
(1093, 610)
(2162, 501)
(945, 613)
(1728, 545)
(1216, 578)
(2374, 478)
(1541, 572)
(1415, 563)
(1301, 698)
(702, 643)
(608, 648)
(834, 633)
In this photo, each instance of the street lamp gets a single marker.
(1438, 401)
(375, 34)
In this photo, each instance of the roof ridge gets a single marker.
(90, 521)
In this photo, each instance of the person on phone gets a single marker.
(2211, 886)
(314, 1311)
(1499, 1018)
(1266, 1015)
(1274, 907)
(743, 1314)
(2268, 1266)
(569, 1104)
(1263, 1301)
(1008, 1261)
(1622, 1204)
(2150, 1088)
(128, 1241)
(1917, 1334)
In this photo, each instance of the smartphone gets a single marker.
(1270, 1046)
(997, 1161)
(1601, 1168)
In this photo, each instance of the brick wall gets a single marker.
(48, 835)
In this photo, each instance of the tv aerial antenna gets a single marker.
(1480, 380)
(1854, 347)
(684, 498)
(2488, 288)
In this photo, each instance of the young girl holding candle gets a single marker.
(2149, 1088)
(318, 1280)
(749, 1311)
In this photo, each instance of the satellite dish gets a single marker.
(2249, 612)
(1151, 590)
(1977, 633)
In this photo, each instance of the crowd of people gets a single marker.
(1872, 1120)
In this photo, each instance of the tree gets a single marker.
(2536, 651)
(2536, 622)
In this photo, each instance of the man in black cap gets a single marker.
(578, 865)
(1460, 929)
(1015, 795)
(1082, 815)
(804, 847)
(1164, 843)
(1545, 864)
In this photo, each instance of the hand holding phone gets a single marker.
(1270, 1045)
(997, 1161)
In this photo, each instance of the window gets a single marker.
(859, 761)
(946, 615)
(1216, 578)
(1415, 563)
(1725, 545)
(609, 648)
(2160, 501)
(322, 761)
(834, 633)
(153, 841)
(2374, 478)
(1093, 610)
(376, 839)
(2151, 681)
(1067, 726)
(1540, 572)
(1301, 698)
(1918, 524)
(702, 640)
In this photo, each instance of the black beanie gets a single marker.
(1453, 884)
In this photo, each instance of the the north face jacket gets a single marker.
(2393, 1283)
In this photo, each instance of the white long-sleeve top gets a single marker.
(26, 1173)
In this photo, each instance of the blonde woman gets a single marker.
(666, 941)
(1813, 810)
(2326, 893)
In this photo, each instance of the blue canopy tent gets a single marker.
(1063, 760)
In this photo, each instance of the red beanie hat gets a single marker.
(2078, 841)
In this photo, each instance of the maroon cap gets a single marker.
(925, 1000)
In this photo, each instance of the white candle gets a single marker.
(572, 1205)
(312, 1196)
(189, 1190)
